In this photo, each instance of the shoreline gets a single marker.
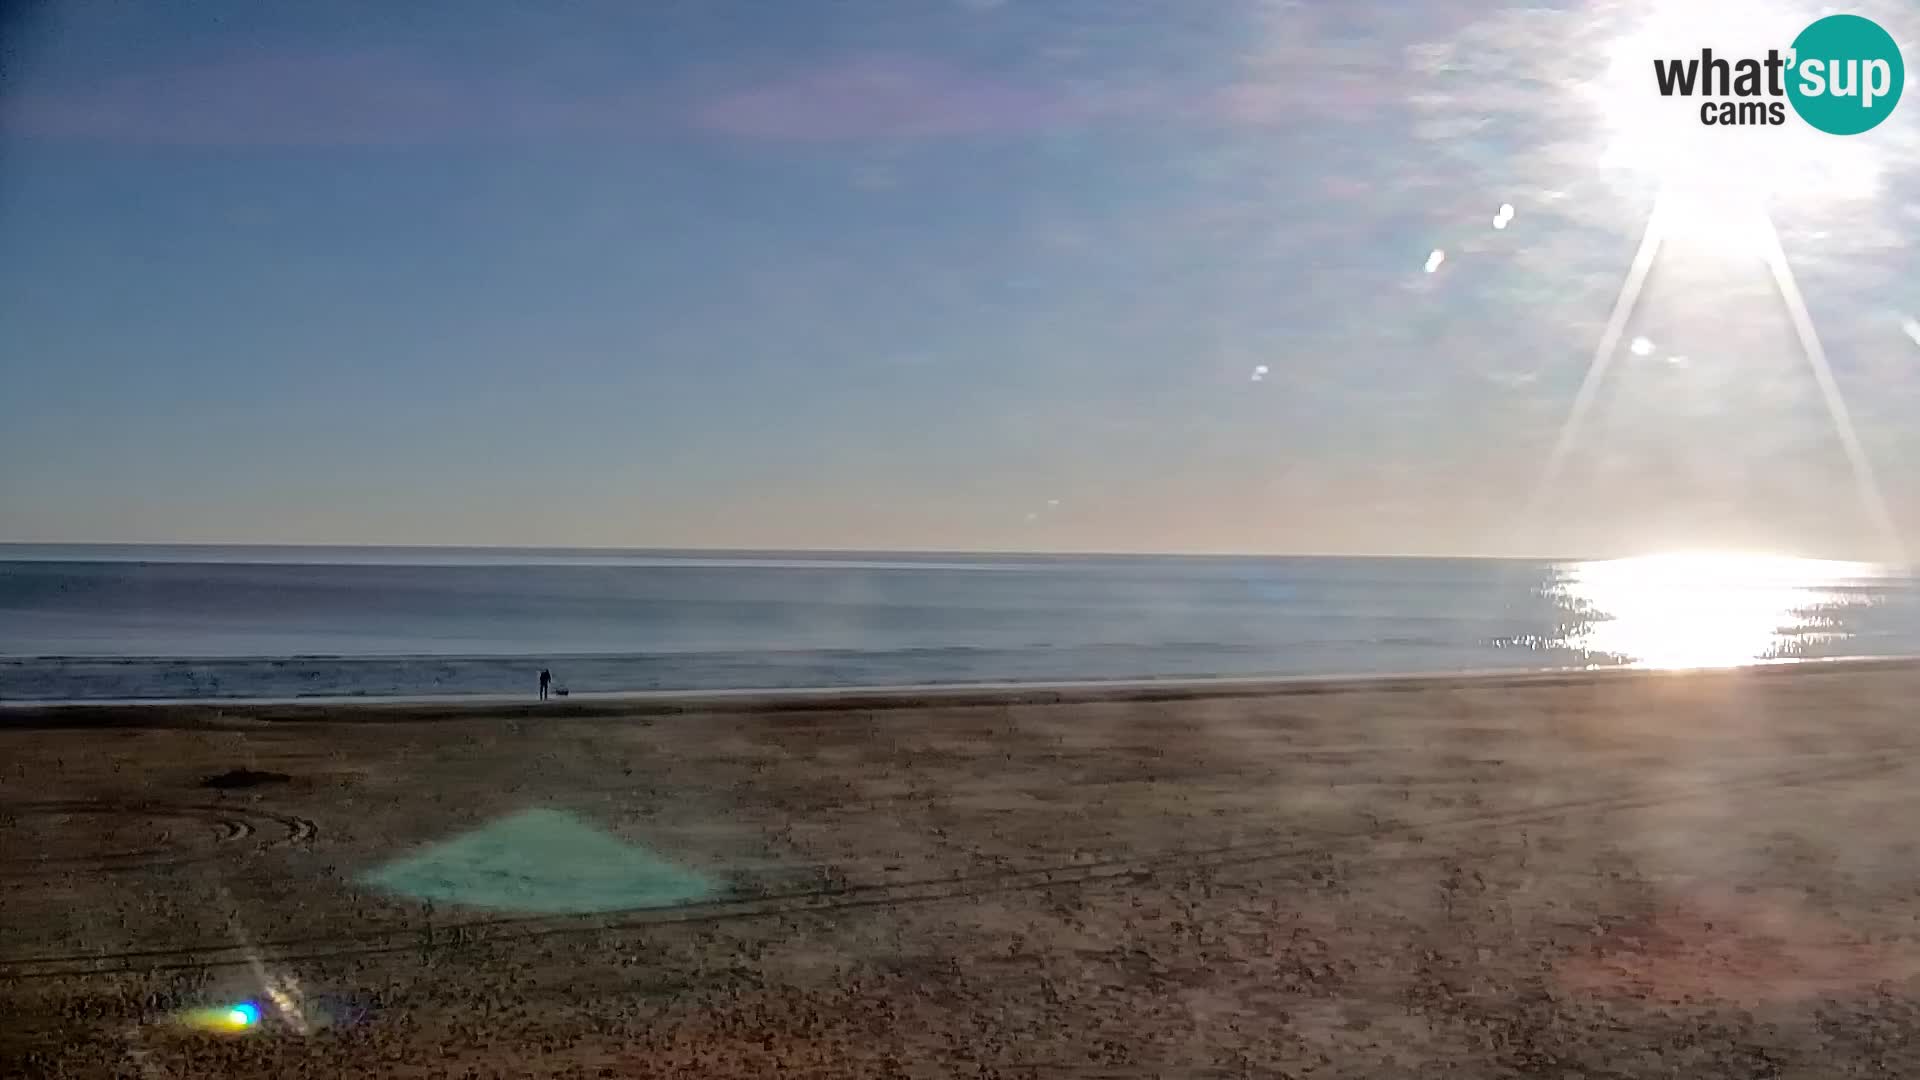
(220, 711)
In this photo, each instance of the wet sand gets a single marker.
(1708, 875)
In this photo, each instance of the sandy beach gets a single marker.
(1704, 875)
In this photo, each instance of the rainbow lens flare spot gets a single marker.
(226, 1019)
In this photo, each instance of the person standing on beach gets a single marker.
(546, 680)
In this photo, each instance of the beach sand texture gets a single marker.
(1706, 875)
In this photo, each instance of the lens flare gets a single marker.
(236, 1019)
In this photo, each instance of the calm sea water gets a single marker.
(105, 623)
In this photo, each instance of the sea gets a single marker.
(100, 623)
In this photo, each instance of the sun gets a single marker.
(1717, 183)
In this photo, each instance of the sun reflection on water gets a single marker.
(1704, 610)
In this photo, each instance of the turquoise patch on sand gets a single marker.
(544, 862)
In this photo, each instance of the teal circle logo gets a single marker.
(1846, 75)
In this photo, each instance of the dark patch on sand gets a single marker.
(244, 778)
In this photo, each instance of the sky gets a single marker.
(1101, 275)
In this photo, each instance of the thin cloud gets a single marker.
(889, 98)
(325, 99)
(1271, 102)
(907, 97)
(388, 97)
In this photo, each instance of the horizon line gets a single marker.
(721, 551)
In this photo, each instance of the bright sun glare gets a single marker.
(1716, 183)
(1718, 187)
(1704, 609)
